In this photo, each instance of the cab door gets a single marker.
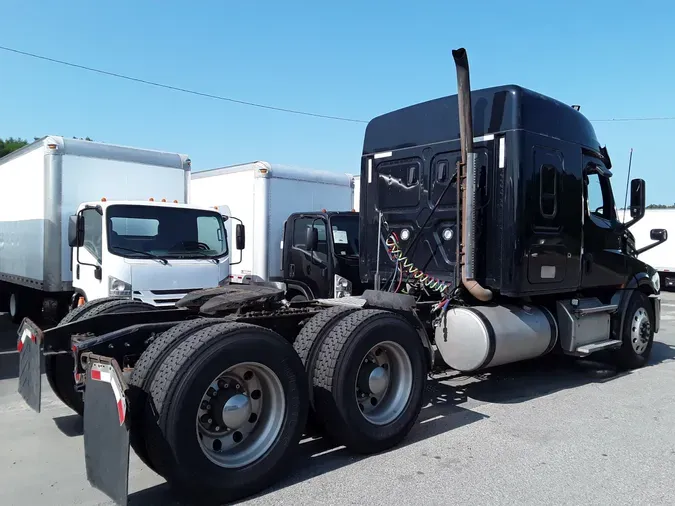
(553, 223)
(603, 262)
(308, 268)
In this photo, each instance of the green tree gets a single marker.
(11, 144)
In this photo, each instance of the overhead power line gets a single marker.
(183, 90)
(253, 104)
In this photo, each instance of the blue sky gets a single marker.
(352, 58)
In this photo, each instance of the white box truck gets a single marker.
(278, 204)
(663, 257)
(57, 192)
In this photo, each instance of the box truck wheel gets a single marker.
(60, 368)
(638, 332)
(141, 379)
(369, 380)
(231, 404)
(308, 343)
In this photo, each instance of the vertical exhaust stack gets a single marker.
(466, 180)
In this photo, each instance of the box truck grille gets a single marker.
(170, 292)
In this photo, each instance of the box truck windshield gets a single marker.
(165, 232)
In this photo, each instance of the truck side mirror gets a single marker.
(637, 199)
(240, 237)
(312, 239)
(75, 231)
(658, 234)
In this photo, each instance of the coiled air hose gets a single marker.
(406, 265)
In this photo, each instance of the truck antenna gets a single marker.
(625, 200)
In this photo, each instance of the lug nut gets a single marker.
(217, 428)
(237, 386)
(226, 385)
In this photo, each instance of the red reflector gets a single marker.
(19, 345)
(120, 410)
(96, 374)
(33, 338)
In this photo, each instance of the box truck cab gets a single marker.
(154, 252)
(317, 264)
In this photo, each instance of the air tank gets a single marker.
(477, 337)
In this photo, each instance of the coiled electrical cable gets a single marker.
(404, 264)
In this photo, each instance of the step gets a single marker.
(609, 308)
(587, 349)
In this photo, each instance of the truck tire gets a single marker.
(369, 380)
(308, 343)
(59, 368)
(638, 333)
(201, 457)
(141, 379)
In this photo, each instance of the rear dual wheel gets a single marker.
(368, 380)
(224, 409)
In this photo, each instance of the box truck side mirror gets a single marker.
(75, 231)
(240, 237)
(312, 239)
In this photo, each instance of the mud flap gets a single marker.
(29, 345)
(106, 428)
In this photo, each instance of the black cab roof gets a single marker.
(494, 110)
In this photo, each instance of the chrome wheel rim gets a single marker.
(240, 415)
(384, 383)
(640, 332)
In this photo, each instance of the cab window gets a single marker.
(93, 228)
(599, 199)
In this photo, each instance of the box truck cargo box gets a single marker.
(263, 196)
(47, 182)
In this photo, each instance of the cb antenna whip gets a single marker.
(625, 200)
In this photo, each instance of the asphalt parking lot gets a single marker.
(548, 432)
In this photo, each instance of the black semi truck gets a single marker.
(488, 235)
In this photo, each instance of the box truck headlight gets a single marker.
(118, 288)
(343, 287)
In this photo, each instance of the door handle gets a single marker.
(291, 270)
(588, 260)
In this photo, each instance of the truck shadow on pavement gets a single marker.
(451, 402)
